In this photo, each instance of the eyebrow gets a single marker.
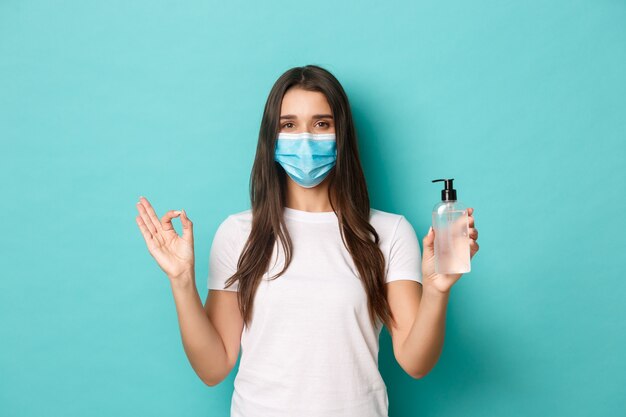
(315, 116)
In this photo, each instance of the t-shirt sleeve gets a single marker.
(224, 255)
(405, 258)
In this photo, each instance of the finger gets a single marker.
(473, 233)
(166, 220)
(470, 212)
(156, 233)
(146, 220)
(474, 246)
(187, 227)
(151, 214)
(144, 231)
(429, 239)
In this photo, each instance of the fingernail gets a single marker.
(177, 212)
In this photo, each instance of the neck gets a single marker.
(313, 199)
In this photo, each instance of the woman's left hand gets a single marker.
(443, 282)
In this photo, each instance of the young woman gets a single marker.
(304, 280)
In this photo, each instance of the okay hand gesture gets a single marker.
(173, 253)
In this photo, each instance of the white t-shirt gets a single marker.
(310, 350)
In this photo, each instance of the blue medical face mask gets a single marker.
(306, 157)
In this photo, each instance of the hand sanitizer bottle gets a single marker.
(451, 224)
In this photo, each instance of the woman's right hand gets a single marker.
(173, 253)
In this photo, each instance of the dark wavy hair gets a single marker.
(347, 193)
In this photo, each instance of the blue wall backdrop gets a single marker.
(523, 103)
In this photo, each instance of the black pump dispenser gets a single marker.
(448, 193)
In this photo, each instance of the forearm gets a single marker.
(202, 343)
(424, 342)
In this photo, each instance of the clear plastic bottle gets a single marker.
(451, 224)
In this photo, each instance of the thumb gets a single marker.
(429, 242)
(187, 227)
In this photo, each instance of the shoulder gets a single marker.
(390, 226)
(235, 224)
(386, 221)
(240, 217)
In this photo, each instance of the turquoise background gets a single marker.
(523, 103)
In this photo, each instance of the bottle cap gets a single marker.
(448, 193)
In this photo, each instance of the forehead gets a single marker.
(301, 102)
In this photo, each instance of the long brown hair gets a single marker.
(347, 193)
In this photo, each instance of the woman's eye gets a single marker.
(289, 125)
